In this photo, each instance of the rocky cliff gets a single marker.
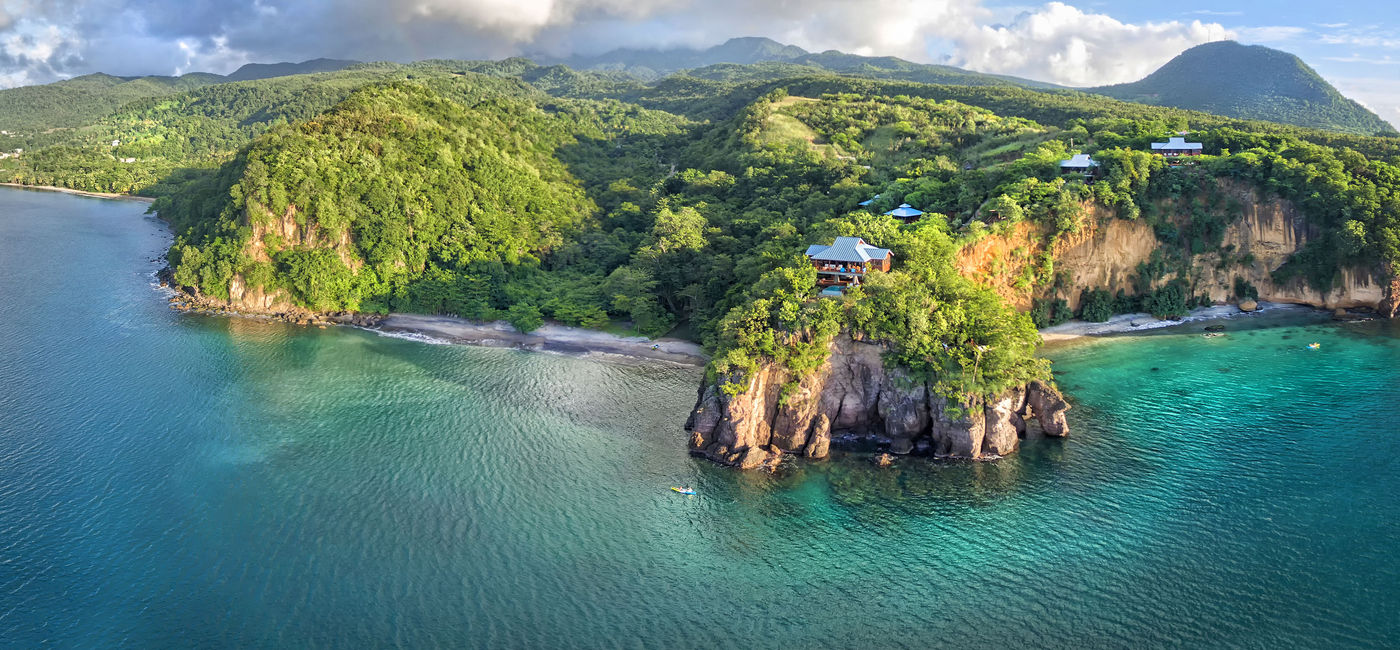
(269, 233)
(853, 400)
(1105, 253)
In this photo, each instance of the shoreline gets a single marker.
(1143, 322)
(559, 339)
(67, 190)
(434, 329)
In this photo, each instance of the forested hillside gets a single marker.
(83, 100)
(1250, 82)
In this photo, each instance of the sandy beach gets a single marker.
(550, 338)
(65, 190)
(1141, 322)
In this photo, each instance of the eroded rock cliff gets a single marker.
(855, 401)
(1105, 253)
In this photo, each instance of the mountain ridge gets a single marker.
(652, 64)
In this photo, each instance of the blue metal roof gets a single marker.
(847, 249)
(904, 210)
(869, 201)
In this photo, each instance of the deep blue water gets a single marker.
(179, 480)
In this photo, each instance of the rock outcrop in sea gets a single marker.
(853, 400)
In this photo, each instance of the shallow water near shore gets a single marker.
(169, 479)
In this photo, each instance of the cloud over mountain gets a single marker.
(41, 41)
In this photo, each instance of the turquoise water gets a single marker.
(178, 480)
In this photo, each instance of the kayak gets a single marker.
(1314, 346)
(683, 490)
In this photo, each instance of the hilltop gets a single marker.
(1251, 82)
(82, 100)
(252, 71)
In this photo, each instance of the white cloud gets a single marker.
(1362, 40)
(216, 55)
(1063, 44)
(1380, 94)
(1270, 33)
(1053, 42)
(30, 41)
(1356, 58)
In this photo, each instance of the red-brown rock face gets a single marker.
(853, 396)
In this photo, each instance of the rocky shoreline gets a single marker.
(854, 401)
(557, 339)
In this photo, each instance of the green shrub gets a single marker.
(1169, 301)
(524, 317)
(1096, 305)
(1244, 290)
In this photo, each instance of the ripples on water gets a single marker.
(168, 479)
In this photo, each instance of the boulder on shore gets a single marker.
(1249, 305)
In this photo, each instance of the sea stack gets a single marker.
(853, 400)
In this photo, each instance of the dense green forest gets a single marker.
(508, 190)
(83, 100)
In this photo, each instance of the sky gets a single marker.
(1353, 44)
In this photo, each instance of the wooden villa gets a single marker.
(847, 260)
(1174, 149)
(1080, 164)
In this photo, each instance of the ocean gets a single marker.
(173, 480)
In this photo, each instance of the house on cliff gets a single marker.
(1177, 149)
(846, 261)
(1080, 164)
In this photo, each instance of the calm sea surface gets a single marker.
(177, 480)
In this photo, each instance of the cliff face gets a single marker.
(270, 230)
(854, 400)
(1106, 251)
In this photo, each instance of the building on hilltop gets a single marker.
(1080, 164)
(905, 213)
(1176, 148)
(847, 260)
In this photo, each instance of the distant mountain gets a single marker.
(80, 100)
(253, 71)
(649, 65)
(1250, 82)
